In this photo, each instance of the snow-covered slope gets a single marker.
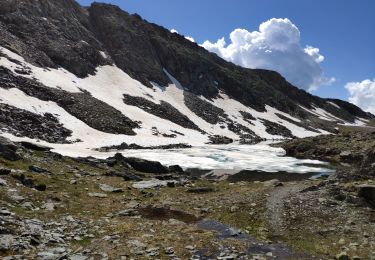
(154, 89)
(109, 84)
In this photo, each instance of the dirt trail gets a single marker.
(275, 207)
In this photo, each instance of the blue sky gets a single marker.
(343, 30)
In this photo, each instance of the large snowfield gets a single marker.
(110, 83)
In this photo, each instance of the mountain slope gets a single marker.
(101, 77)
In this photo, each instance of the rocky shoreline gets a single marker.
(49, 208)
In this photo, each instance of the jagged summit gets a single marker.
(104, 77)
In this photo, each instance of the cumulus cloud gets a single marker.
(362, 94)
(186, 37)
(276, 46)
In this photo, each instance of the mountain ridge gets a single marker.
(45, 44)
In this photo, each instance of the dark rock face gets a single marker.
(93, 112)
(247, 117)
(163, 110)
(125, 146)
(218, 139)
(8, 150)
(51, 34)
(305, 125)
(24, 123)
(204, 109)
(277, 129)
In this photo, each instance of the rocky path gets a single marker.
(275, 207)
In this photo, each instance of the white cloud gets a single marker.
(186, 37)
(362, 94)
(276, 46)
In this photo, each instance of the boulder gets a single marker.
(97, 195)
(37, 169)
(35, 147)
(6, 242)
(108, 188)
(141, 165)
(368, 193)
(8, 149)
(153, 183)
(3, 182)
(175, 169)
(219, 139)
(4, 171)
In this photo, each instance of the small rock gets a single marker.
(169, 251)
(3, 182)
(189, 247)
(153, 183)
(78, 257)
(152, 252)
(5, 212)
(234, 232)
(108, 188)
(97, 195)
(70, 218)
(27, 205)
(234, 209)
(322, 200)
(342, 256)
(49, 206)
(4, 171)
(37, 169)
(6, 242)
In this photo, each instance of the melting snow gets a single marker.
(109, 84)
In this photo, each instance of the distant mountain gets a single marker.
(75, 77)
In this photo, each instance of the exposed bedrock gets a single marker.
(95, 113)
(163, 110)
(20, 122)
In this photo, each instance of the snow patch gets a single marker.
(334, 104)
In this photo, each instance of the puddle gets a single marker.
(254, 247)
(159, 213)
(255, 175)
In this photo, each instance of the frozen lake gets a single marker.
(261, 157)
